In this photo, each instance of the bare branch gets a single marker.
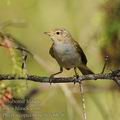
(115, 75)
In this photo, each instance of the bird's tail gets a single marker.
(85, 70)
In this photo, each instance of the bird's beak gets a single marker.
(47, 33)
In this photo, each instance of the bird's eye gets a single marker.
(57, 33)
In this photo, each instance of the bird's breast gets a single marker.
(67, 55)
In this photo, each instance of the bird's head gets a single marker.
(59, 34)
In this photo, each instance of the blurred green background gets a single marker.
(95, 24)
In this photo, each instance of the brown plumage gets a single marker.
(67, 51)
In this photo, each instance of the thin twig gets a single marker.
(105, 64)
(115, 75)
(83, 101)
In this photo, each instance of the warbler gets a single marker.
(67, 52)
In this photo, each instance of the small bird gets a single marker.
(67, 52)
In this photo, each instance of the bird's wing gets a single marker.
(51, 51)
(80, 51)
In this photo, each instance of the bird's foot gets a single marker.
(50, 79)
(76, 76)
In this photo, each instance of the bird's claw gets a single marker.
(77, 76)
(50, 79)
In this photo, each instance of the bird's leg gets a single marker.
(76, 74)
(51, 76)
